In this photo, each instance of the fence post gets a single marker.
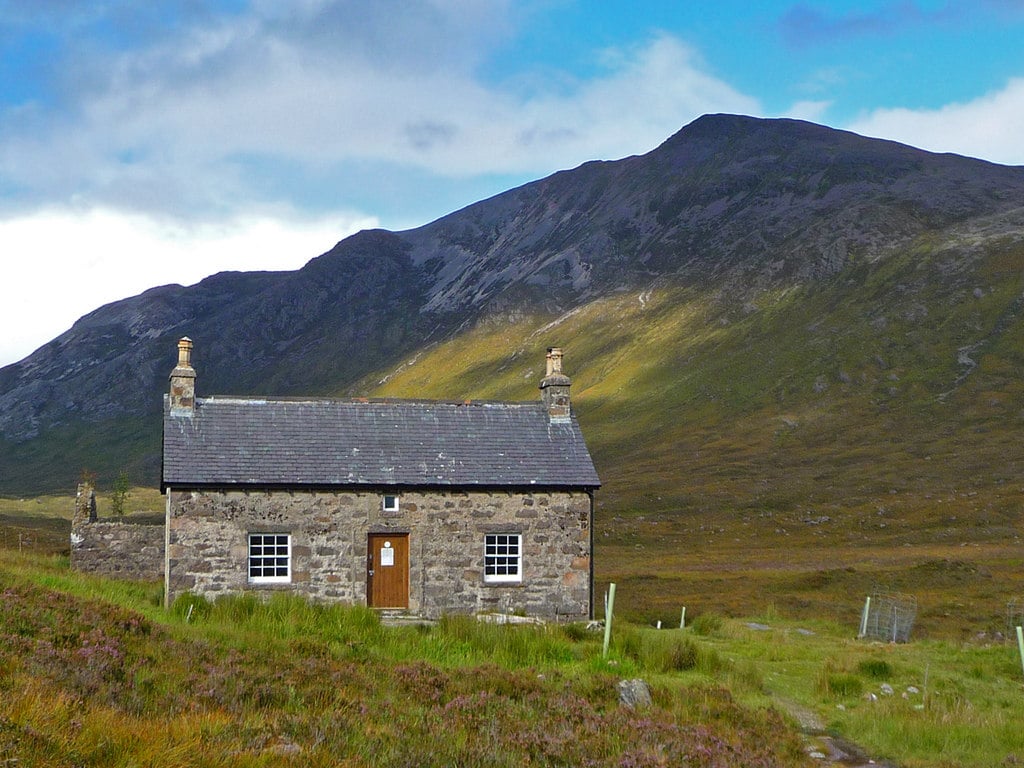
(1020, 645)
(864, 617)
(608, 611)
(682, 619)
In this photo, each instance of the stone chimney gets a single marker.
(85, 505)
(554, 387)
(183, 381)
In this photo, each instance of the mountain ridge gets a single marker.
(733, 209)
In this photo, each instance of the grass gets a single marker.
(89, 663)
(919, 704)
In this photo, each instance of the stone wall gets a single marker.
(208, 546)
(122, 549)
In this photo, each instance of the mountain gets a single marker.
(748, 294)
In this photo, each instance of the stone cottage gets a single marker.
(421, 506)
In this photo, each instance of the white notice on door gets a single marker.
(387, 555)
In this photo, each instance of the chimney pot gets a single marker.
(554, 360)
(185, 352)
(554, 387)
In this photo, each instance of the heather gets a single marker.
(98, 675)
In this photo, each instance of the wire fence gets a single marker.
(1014, 615)
(889, 617)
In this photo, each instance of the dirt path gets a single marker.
(830, 750)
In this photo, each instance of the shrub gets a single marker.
(120, 493)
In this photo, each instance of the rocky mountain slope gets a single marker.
(743, 267)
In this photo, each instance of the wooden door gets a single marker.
(387, 570)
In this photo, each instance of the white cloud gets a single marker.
(813, 111)
(987, 127)
(220, 103)
(145, 165)
(63, 264)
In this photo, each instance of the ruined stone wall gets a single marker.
(122, 549)
(208, 546)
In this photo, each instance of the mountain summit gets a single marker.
(726, 218)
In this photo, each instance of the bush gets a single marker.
(119, 495)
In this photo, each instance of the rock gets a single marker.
(284, 747)
(634, 693)
(886, 689)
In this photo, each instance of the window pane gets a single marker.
(502, 561)
(269, 557)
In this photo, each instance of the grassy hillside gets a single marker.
(54, 461)
(798, 448)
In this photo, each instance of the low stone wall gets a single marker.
(122, 549)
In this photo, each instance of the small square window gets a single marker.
(503, 557)
(390, 503)
(270, 558)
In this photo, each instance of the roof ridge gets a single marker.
(363, 400)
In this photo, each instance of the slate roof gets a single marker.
(235, 442)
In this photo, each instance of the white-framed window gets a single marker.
(503, 557)
(389, 503)
(270, 558)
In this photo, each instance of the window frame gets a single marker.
(393, 508)
(496, 560)
(251, 559)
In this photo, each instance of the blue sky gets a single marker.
(151, 143)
